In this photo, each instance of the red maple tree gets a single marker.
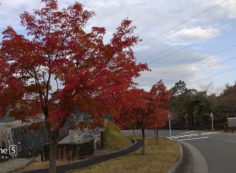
(145, 110)
(160, 103)
(59, 66)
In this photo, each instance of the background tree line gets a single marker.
(192, 108)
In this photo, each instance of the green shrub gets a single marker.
(113, 140)
(112, 131)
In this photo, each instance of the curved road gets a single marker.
(219, 149)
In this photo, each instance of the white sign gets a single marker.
(13, 150)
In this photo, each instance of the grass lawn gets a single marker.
(158, 159)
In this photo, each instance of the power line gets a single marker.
(178, 50)
(184, 22)
(199, 41)
(216, 52)
(210, 66)
(181, 23)
(216, 74)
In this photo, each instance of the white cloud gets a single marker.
(191, 35)
(10, 12)
(229, 6)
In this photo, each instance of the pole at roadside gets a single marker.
(212, 121)
(169, 117)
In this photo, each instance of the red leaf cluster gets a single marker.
(10, 88)
(142, 109)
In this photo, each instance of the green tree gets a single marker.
(227, 102)
(179, 88)
(191, 107)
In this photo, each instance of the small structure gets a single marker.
(231, 124)
(77, 145)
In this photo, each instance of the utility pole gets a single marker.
(169, 117)
(212, 121)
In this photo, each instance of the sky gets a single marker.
(190, 40)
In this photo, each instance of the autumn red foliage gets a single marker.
(144, 110)
(10, 88)
(59, 65)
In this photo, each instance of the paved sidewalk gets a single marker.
(14, 164)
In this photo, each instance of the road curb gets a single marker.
(197, 162)
(178, 162)
(190, 160)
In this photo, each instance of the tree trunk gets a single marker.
(143, 138)
(52, 152)
(156, 135)
(192, 120)
(186, 121)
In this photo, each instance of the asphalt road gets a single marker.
(219, 149)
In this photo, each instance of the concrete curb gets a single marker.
(178, 161)
(190, 160)
(198, 162)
